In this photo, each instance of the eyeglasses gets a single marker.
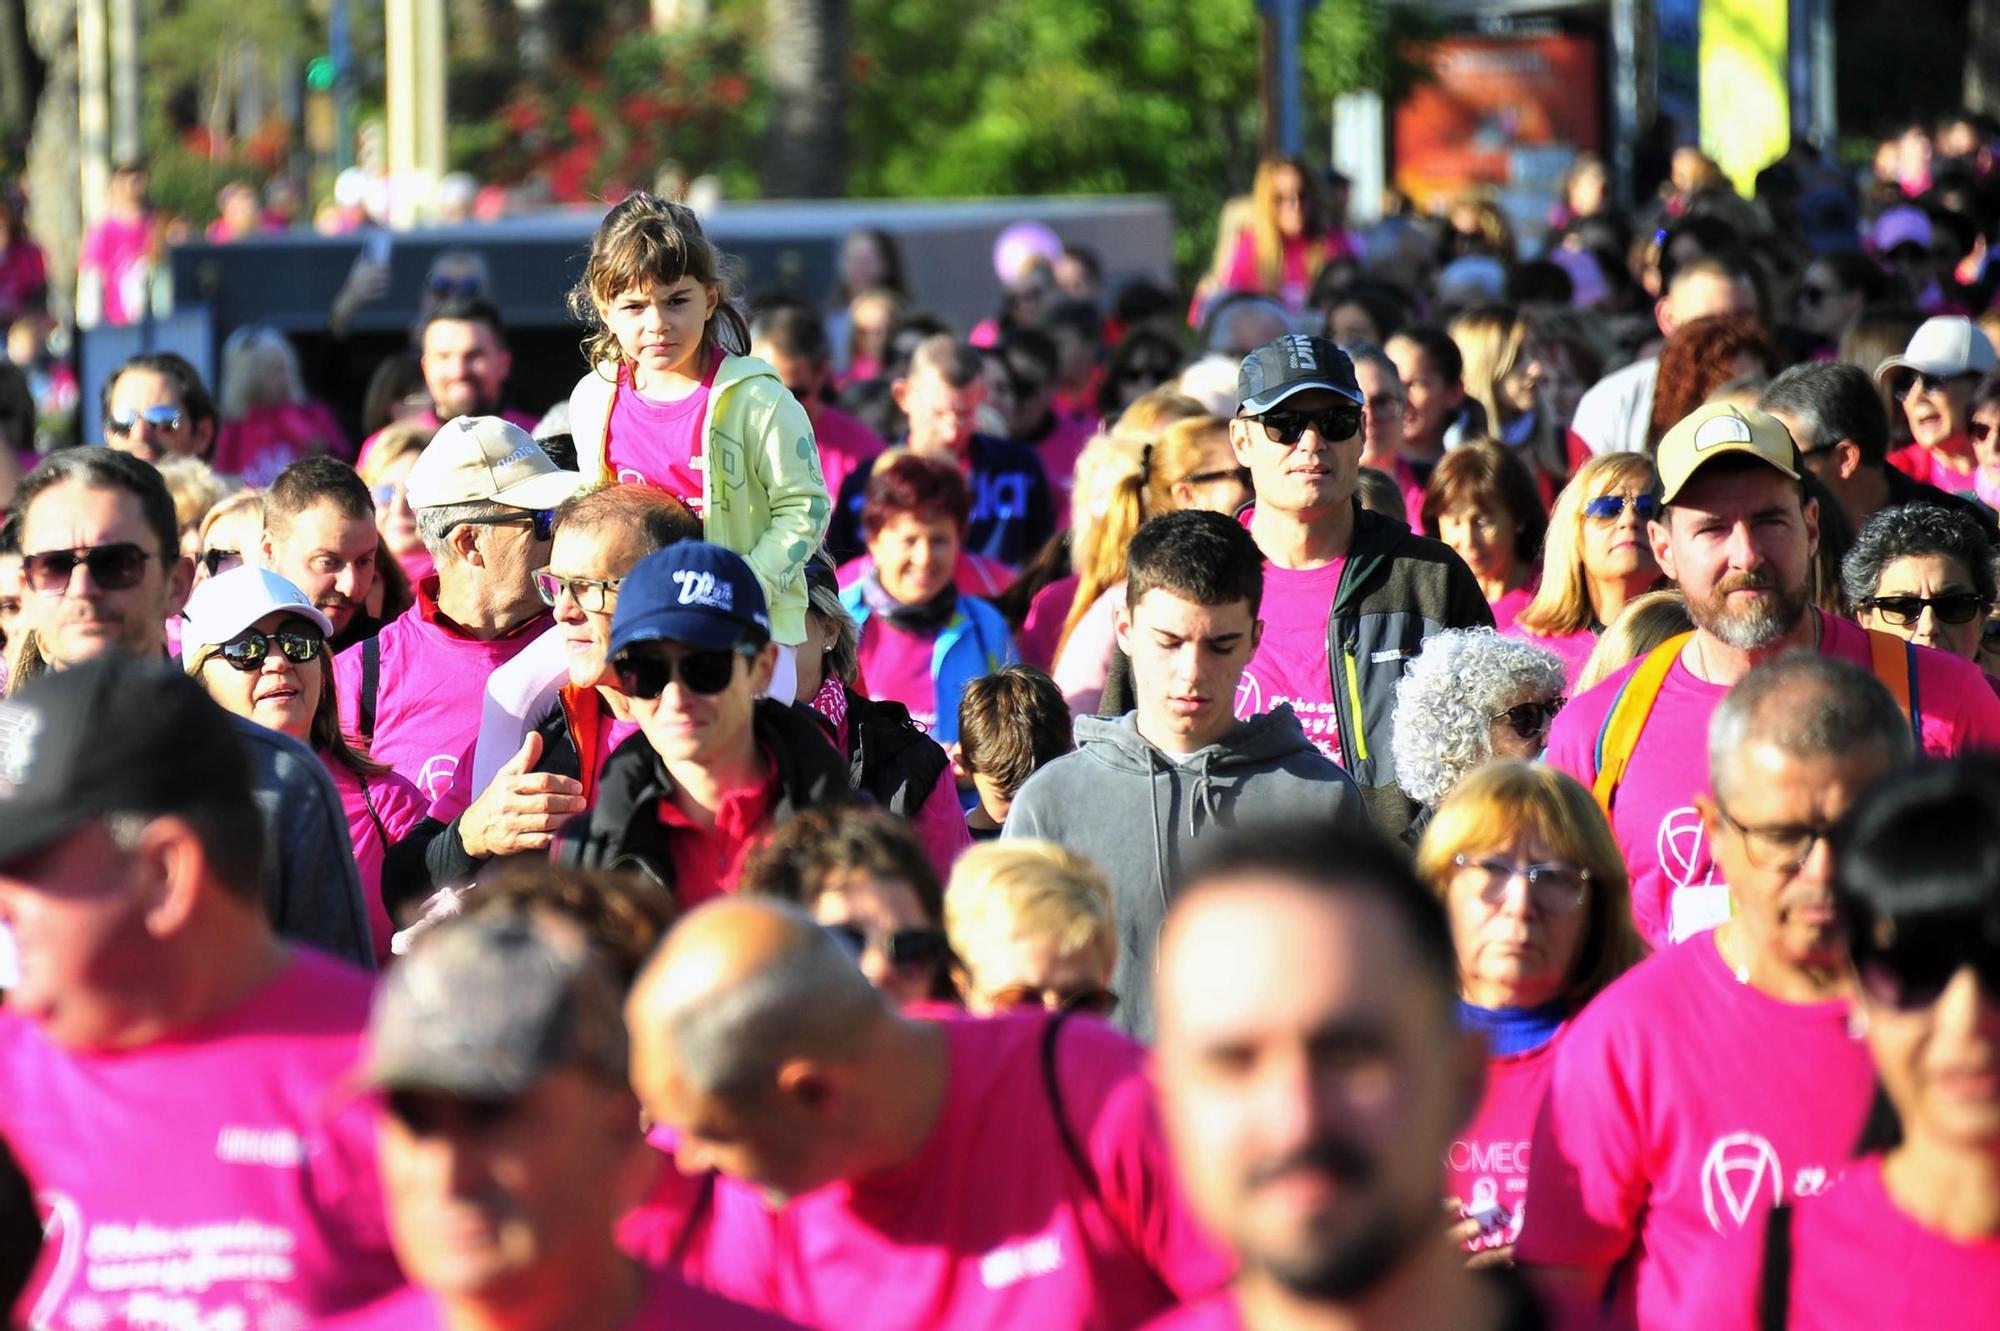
(1531, 720)
(115, 568)
(911, 951)
(647, 674)
(126, 419)
(544, 520)
(1096, 1000)
(1553, 889)
(1607, 508)
(592, 594)
(248, 651)
(1332, 423)
(1784, 848)
(1908, 965)
(219, 559)
(386, 495)
(1951, 608)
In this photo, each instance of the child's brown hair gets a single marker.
(1010, 723)
(643, 239)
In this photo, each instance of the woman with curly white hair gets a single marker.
(1469, 697)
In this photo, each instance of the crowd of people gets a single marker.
(1456, 793)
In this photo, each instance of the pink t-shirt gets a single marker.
(1676, 890)
(1509, 606)
(116, 250)
(1682, 1106)
(1488, 1162)
(1047, 614)
(260, 445)
(897, 667)
(648, 442)
(1290, 664)
(429, 694)
(1059, 453)
(1217, 1312)
(1857, 1261)
(667, 1304)
(1573, 648)
(389, 805)
(1085, 662)
(219, 1178)
(990, 1227)
(845, 444)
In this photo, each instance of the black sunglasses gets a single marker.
(248, 651)
(1951, 608)
(1928, 382)
(544, 520)
(647, 674)
(1531, 720)
(115, 568)
(1332, 423)
(909, 950)
(125, 420)
(1908, 965)
(218, 559)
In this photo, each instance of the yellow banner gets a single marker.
(1746, 121)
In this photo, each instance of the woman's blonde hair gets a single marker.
(1002, 888)
(1644, 623)
(1184, 449)
(648, 239)
(1506, 799)
(195, 488)
(243, 501)
(1491, 341)
(1108, 506)
(1563, 605)
(1265, 237)
(239, 359)
(397, 440)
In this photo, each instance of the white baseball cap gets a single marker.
(1945, 346)
(484, 459)
(230, 602)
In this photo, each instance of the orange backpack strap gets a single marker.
(1627, 718)
(1894, 662)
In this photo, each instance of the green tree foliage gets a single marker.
(1061, 97)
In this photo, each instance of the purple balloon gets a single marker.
(1020, 245)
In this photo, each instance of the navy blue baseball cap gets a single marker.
(694, 593)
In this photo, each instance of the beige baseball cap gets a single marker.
(484, 459)
(1720, 429)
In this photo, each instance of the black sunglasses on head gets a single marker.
(1332, 423)
(115, 568)
(1908, 964)
(647, 674)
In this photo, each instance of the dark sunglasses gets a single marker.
(1606, 508)
(1332, 423)
(544, 520)
(1098, 1002)
(1909, 965)
(115, 568)
(1531, 720)
(125, 420)
(464, 288)
(911, 951)
(646, 675)
(1952, 608)
(219, 559)
(248, 651)
(1928, 382)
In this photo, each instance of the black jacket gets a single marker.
(891, 761)
(623, 831)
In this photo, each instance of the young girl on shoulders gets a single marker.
(672, 401)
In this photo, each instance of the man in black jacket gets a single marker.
(714, 764)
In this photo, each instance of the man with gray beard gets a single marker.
(1739, 536)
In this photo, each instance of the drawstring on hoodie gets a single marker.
(1159, 854)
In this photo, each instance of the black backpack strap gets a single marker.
(1053, 1085)
(1774, 1290)
(371, 684)
(696, 1217)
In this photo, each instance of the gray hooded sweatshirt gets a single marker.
(1138, 814)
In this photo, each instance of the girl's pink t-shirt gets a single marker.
(897, 666)
(657, 443)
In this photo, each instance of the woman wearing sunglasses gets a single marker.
(1597, 557)
(258, 646)
(1909, 1236)
(1469, 697)
(862, 874)
(1933, 381)
(1922, 572)
(1541, 919)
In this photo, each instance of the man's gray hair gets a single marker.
(1369, 353)
(1807, 706)
(1831, 401)
(811, 1001)
(434, 524)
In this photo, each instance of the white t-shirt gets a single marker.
(1616, 411)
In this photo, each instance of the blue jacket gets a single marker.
(975, 641)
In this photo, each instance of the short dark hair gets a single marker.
(957, 363)
(1010, 723)
(660, 519)
(1204, 557)
(794, 330)
(196, 400)
(465, 309)
(311, 481)
(811, 851)
(1916, 529)
(107, 469)
(1335, 862)
(1438, 346)
(1832, 401)
(1806, 705)
(915, 484)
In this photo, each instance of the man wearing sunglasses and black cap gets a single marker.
(715, 763)
(1349, 596)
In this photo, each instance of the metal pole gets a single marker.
(1291, 134)
(127, 140)
(93, 106)
(340, 50)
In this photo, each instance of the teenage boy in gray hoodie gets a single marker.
(1142, 789)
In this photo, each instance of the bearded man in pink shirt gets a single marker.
(172, 1069)
(897, 1172)
(1721, 1075)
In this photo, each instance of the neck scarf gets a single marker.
(923, 620)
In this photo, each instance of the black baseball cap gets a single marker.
(1286, 366)
(115, 734)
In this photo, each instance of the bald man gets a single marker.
(919, 1175)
